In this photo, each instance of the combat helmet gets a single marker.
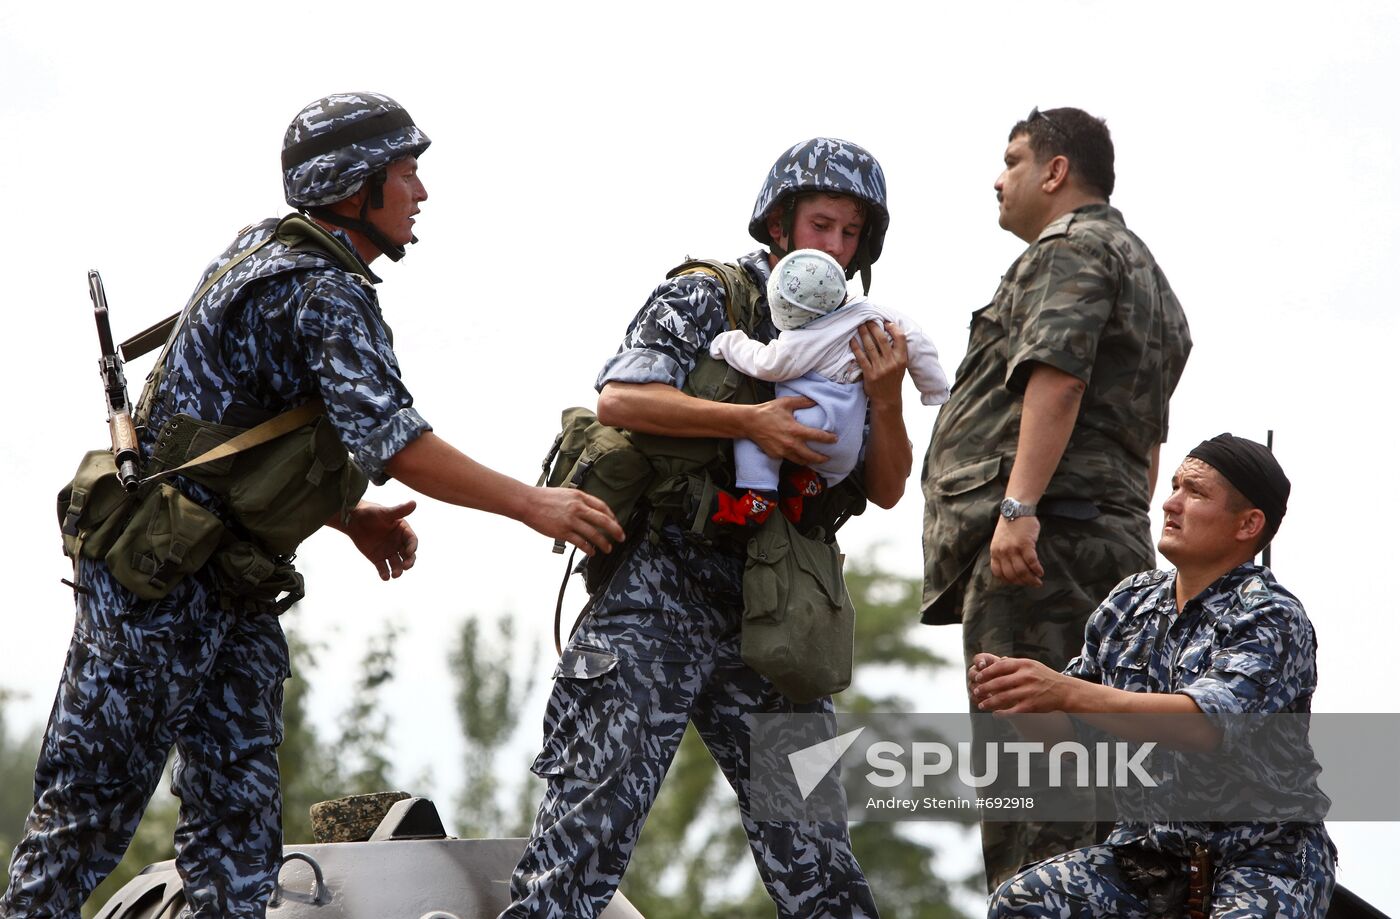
(337, 144)
(838, 167)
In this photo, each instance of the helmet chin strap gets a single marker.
(861, 261)
(374, 200)
(789, 209)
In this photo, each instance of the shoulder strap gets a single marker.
(293, 231)
(272, 428)
(164, 331)
(741, 294)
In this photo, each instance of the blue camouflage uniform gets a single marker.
(1244, 646)
(199, 669)
(657, 649)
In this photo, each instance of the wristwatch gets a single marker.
(1011, 509)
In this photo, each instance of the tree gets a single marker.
(489, 701)
(360, 758)
(17, 756)
(309, 775)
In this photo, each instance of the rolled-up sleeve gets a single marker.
(347, 345)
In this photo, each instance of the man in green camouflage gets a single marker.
(1043, 462)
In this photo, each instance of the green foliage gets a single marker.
(360, 757)
(489, 697)
(17, 758)
(308, 774)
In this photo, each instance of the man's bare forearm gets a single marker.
(1129, 715)
(1049, 409)
(431, 466)
(889, 456)
(658, 408)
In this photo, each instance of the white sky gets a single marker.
(580, 152)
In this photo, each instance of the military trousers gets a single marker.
(629, 683)
(1083, 562)
(1291, 882)
(141, 677)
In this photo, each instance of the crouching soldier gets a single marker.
(1211, 643)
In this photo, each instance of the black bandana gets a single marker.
(1252, 469)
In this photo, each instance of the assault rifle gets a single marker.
(126, 450)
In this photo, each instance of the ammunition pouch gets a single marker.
(248, 574)
(150, 540)
(93, 507)
(799, 622)
(167, 536)
(598, 459)
(1160, 879)
(278, 492)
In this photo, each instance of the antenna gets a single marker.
(1269, 442)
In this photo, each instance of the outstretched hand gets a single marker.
(577, 518)
(383, 536)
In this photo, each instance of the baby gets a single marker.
(812, 357)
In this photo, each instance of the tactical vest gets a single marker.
(276, 482)
(675, 479)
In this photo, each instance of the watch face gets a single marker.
(1012, 509)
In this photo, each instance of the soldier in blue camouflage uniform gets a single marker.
(658, 646)
(1217, 637)
(1056, 418)
(202, 668)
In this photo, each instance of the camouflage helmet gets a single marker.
(334, 144)
(838, 167)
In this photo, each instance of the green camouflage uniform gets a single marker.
(1088, 299)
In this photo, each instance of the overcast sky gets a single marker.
(579, 151)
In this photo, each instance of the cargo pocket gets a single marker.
(168, 537)
(590, 724)
(249, 573)
(799, 623)
(967, 477)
